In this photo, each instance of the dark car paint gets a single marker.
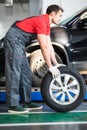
(74, 40)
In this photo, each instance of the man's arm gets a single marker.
(47, 49)
(52, 52)
(43, 41)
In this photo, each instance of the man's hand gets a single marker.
(54, 71)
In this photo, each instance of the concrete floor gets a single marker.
(82, 107)
(48, 127)
(47, 119)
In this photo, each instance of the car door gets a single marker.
(78, 43)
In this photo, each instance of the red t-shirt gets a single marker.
(36, 25)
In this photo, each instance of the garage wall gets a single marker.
(69, 6)
(35, 7)
(49, 2)
(8, 15)
(22, 10)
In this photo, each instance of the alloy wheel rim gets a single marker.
(65, 89)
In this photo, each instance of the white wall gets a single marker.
(69, 6)
(8, 15)
(35, 7)
(72, 6)
(46, 3)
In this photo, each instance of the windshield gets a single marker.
(67, 20)
(71, 17)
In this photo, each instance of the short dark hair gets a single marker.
(54, 8)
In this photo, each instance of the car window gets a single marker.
(72, 16)
(81, 23)
(83, 16)
(67, 19)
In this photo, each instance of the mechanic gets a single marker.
(17, 69)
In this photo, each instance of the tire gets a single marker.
(64, 93)
(39, 67)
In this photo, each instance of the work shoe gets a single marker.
(32, 106)
(17, 110)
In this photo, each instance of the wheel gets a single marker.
(39, 67)
(64, 93)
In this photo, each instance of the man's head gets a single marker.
(55, 13)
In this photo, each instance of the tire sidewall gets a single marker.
(47, 97)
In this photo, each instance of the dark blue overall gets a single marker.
(17, 69)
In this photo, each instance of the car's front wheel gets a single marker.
(39, 67)
(64, 93)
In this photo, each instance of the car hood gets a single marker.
(59, 35)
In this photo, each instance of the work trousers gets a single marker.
(17, 69)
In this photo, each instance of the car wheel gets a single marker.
(64, 93)
(39, 67)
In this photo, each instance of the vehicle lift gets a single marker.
(36, 95)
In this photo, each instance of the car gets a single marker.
(69, 39)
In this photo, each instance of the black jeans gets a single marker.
(17, 69)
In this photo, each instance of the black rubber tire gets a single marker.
(66, 107)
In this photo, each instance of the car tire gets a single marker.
(39, 67)
(64, 93)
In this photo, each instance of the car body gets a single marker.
(69, 39)
(72, 35)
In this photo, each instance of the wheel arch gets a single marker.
(59, 49)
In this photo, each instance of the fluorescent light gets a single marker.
(8, 3)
